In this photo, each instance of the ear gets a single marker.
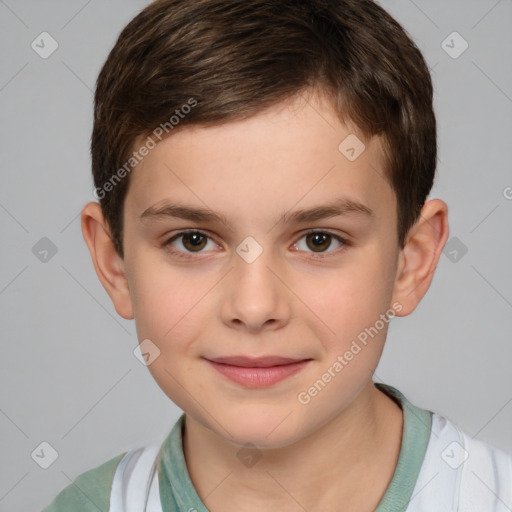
(419, 258)
(108, 264)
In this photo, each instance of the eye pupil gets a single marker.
(194, 241)
(318, 240)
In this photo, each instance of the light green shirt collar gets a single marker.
(178, 494)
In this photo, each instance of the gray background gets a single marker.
(67, 372)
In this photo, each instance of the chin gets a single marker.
(263, 430)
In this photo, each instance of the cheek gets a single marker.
(167, 312)
(352, 291)
(161, 298)
(346, 302)
(171, 306)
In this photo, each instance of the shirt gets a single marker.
(440, 468)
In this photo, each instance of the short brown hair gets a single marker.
(235, 58)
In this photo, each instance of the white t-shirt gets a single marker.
(440, 469)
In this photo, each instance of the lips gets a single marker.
(256, 362)
(257, 372)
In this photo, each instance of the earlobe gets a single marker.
(420, 255)
(108, 264)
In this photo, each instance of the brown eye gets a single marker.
(318, 242)
(189, 242)
(194, 241)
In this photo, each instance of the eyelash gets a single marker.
(315, 256)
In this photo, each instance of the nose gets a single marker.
(255, 297)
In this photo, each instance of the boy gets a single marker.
(262, 169)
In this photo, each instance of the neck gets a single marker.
(350, 459)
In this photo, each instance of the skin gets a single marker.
(342, 446)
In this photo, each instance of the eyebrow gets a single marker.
(338, 207)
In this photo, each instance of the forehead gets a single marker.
(297, 152)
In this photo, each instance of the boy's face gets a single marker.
(226, 299)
